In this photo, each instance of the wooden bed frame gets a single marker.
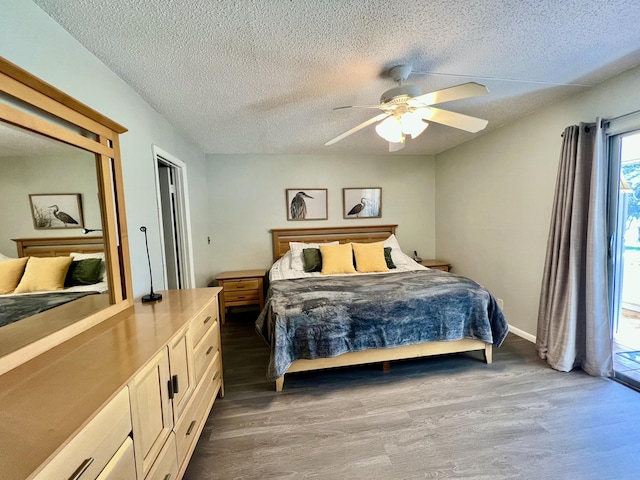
(58, 246)
(363, 234)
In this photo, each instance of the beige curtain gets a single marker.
(573, 318)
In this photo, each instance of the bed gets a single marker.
(314, 321)
(18, 306)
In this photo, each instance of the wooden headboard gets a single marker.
(58, 246)
(282, 236)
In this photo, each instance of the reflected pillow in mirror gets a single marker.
(44, 274)
(100, 255)
(10, 273)
(84, 272)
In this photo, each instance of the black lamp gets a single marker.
(151, 296)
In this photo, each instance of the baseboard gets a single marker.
(522, 334)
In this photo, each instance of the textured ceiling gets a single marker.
(18, 142)
(263, 76)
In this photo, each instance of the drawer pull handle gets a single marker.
(206, 320)
(81, 469)
(190, 429)
(174, 380)
(167, 476)
(215, 377)
(209, 350)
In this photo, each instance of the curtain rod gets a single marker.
(608, 120)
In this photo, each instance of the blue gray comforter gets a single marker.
(324, 317)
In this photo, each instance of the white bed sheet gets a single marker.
(281, 269)
(100, 287)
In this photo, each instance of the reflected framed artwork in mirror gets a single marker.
(56, 210)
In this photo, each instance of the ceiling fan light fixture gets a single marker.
(412, 124)
(390, 129)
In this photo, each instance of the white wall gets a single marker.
(33, 41)
(495, 194)
(247, 200)
(22, 176)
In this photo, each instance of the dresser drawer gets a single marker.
(166, 465)
(188, 430)
(202, 323)
(205, 351)
(122, 465)
(234, 285)
(90, 451)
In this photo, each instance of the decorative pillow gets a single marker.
(387, 257)
(84, 272)
(397, 255)
(312, 259)
(337, 259)
(370, 257)
(10, 273)
(296, 249)
(44, 274)
(100, 255)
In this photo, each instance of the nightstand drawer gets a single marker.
(241, 296)
(234, 285)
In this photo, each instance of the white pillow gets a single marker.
(100, 255)
(296, 252)
(4, 257)
(397, 255)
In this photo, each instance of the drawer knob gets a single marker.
(81, 469)
(209, 350)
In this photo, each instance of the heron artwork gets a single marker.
(357, 209)
(62, 216)
(299, 206)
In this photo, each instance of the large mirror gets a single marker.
(61, 208)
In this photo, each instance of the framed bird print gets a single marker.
(56, 210)
(306, 203)
(362, 202)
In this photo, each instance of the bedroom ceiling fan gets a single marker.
(407, 111)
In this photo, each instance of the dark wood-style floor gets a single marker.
(445, 417)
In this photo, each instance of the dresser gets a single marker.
(241, 288)
(126, 399)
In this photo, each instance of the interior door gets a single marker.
(170, 227)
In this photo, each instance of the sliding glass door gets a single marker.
(625, 255)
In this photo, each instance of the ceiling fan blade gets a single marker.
(455, 120)
(359, 106)
(375, 119)
(466, 90)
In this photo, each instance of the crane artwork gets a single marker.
(299, 206)
(62, 216)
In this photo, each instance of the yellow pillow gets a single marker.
(370, 257)
(337, 259)
(10, 274)
(44, 274)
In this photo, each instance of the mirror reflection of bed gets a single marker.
(34, 164)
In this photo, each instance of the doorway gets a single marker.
(173, 220)
(625, 158)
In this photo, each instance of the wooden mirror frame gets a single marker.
(57, 109)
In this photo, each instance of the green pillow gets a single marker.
(84, 272)
(387, 257)
(311, 260)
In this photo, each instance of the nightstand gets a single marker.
(241, 288)
(436, 264)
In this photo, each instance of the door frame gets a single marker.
(183, 212)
